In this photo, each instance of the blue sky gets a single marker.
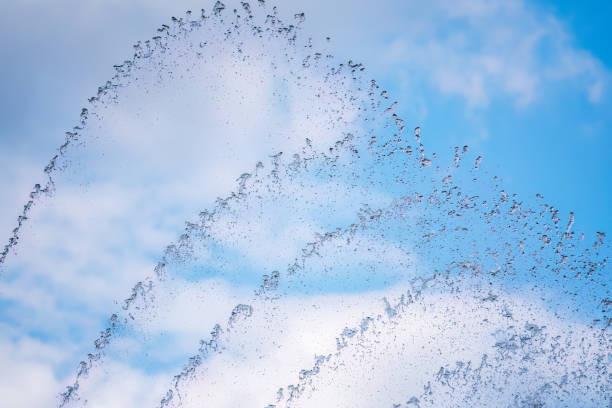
(526, 85)
(555, 143)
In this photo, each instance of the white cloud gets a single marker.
(486, 50)
(394, 359)
(482, 51)
(27, 378)
(130, 388)
(141, 172)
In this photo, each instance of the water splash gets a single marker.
(410, 281)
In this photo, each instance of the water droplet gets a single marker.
(218, 7)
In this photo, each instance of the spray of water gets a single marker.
(349, 266)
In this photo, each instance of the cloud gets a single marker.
(17, 179)
(143, 167)
(484, 51)
(130, 387)
(27, 378)
(396, 358)
(388, 359)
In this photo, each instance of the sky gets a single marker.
(535, 119)
(524, 84)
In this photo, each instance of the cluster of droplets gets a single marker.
(457, 230)
(503, 263)
(43, 189)
(142, 292)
